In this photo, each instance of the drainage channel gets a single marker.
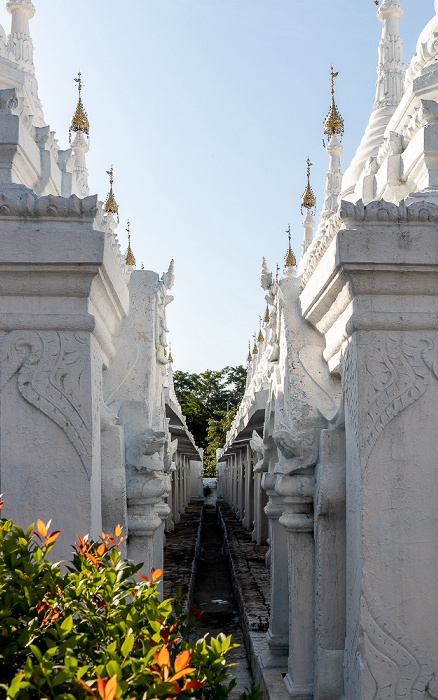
(213, 595)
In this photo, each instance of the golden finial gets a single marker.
(376, 2)
(170, 358)
(79, 121)
(142, 266)
(289, 260)
(255, 349)
(266, 317)
(260, 338)
(278, 270)
(110, 205)
(129, 257)
(334, 124)
(165, 352)
(308, 200)
(249, 358)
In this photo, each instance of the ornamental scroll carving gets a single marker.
(400, 371)
(50, 369)
(394, 666)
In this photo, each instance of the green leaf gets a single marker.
(128, 645)
(61, 677)
(67, 624)
(113, 668)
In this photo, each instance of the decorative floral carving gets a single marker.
(395, 667)
(50, 367)
(400, 373)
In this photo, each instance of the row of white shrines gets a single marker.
(333, 454)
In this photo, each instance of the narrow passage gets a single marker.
(213, 596)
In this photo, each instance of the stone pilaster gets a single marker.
(297, 519)
(278, 632)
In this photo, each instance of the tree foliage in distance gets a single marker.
(207, 398)
(97, 631)
(216, 432)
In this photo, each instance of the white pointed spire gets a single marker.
(390, 70)
(333, 178)
(308, 201)
(333, 129)
(389, 91)
(20, 42)
(308, 225)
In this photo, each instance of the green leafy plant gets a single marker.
(98, 630)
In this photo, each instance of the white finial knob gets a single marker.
(390, 7)
(23, 5)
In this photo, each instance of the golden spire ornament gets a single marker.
(111, 206)
(170, 358)
(129, 257)
(79, 121)
(255, 350)
(289, 260)
(260, 338)
(249, 358)
(334, 124)
(266, 317)
(308, 200)
(278, 270)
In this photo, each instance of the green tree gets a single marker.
(209, 395)
(216, 432)
(209, 402)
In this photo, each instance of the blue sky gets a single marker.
(208, 110)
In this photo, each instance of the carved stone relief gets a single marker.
(50, 368)
(394, 666)
(399, 371)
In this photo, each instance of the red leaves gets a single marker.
(92, 559)
(44, 530)
(117, 539)
(162, 657)
(182, 660)
(51, 612)
(107, 688)
(155, 573)
(192, 685)
(198, 614)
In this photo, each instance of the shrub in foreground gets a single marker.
(97, 630)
